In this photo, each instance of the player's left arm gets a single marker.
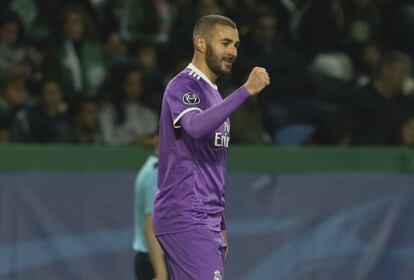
(199, 124)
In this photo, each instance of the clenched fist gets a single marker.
(257, 81)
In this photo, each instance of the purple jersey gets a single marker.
(190, 192)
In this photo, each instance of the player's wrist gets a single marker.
(248, 90)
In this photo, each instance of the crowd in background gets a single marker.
(94, 71)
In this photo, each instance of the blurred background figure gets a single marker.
(362, 22)
(208, 7)
(5, 128)
(34, 17)
(39, 59)
(13, 53)
(320, 27)
(400, 29)
(149, 259)
(379, 109)
(85, 124)
(367, 60)
(16, 100)
(124, 118)
(147, 21)
(48, 120)
(247, 125)
(147, 58)
(79, 62)
(289, 100)
(407, 130)
(332, 75)
(116, 50)
(335, 131)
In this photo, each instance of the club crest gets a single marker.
(190, 98)
(217, 275)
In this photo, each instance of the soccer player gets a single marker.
(194, 137)
(149, 258)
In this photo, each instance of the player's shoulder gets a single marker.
(184, 81)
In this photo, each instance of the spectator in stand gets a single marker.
(366, 62)
(399, 25)
(116, 50)
(332, 75)
(247, 124)
(147, 21)
(208, 7)
(407, 131)
(321, 27)
(80, 63)
(335, 131)
(5, 128)
(39, 61)
(13, 53)
(336, 25)
(49, 121)
(362, 23)
(379, 109)
(34, 17)
(288, 99)
(124, 119)
(181, 28)
(16, 103)
(147, 58)
(86, 129)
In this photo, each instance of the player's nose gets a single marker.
(231, 56)
(232, 51)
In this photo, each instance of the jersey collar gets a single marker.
(202, 75)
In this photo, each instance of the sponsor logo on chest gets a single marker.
(222, 139)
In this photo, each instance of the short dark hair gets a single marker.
(205, 24)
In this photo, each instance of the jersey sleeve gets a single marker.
(184, 96)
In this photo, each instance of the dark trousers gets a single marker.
(143, 267)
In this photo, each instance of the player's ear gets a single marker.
(200, 44)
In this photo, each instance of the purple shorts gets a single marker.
(194, 255)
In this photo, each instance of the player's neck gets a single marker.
(202, 66)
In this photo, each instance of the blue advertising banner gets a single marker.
(285, 226)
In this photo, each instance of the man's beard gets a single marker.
(214, 63)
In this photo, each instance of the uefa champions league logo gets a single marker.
(217, 275)
(190, 98)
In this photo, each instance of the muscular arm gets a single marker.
(154, 250)
(199, 124)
